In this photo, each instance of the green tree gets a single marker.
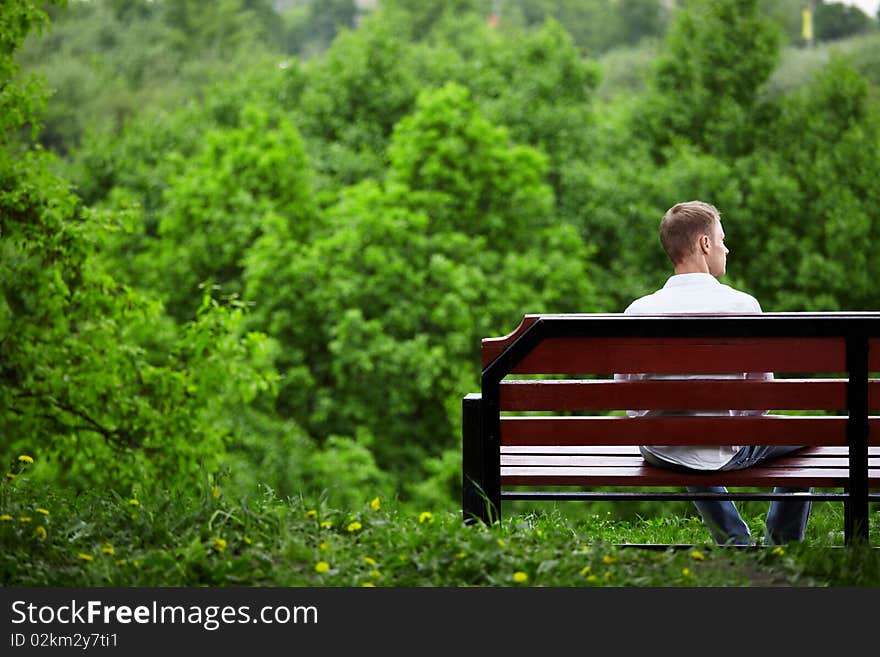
(706, 86)
(381, 313)
(93, 380)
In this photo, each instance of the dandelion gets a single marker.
(45, 512)
(375, 574)
(85, 557)
(24, 458)
(326, 524)
(215, 492)
(219, 544)
(247, 539)
(686, 572)
(519, 577)
(41, 533)
(354, 526)
(120, 562)
(108, 549)
(311, 514)
(460, 555)
(6, 517)
(501, 542)
(778, 551)
(608, 560)
(369, 561)
(696, 555)
(374, 504)
(323, 546)
(426, 516)
(585, 571)
(24, 519)
(368, 584)
(322, 567)
(592, 578)
(133, 501)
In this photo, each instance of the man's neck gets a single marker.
(692, 268)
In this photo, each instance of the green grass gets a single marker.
(55, 538)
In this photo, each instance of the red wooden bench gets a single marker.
(821, 364)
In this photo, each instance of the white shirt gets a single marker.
(693, 293)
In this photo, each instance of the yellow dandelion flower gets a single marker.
(608, 560)
(45, 512)
(501, 543)
(585, 571)
(354, 526)
(592, 578)
(696, 555)
(375, 574)
(41, 533)
(24, 458)
(247, 539)
(778, 551)
(370, 561)
(460, 555)
(311, 514)
(326, 524)
(368, 584)
(85, 557)
(519, 577)
(108, 549)
(426, 516)
(374, 504)
(24, 519)
(215, 492)
(322, 567)
(133, 501)
(323, 546)
(539, 533)
(686, 572)
(219, 544)
(6, 517)
(120, 562)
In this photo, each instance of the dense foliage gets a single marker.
(235, 253)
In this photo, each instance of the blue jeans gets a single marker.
(786, 519)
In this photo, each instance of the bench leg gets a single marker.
(475, 503)
(855, 519)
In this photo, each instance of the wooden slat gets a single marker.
(650, 476)
(874, 354)
(693, 394)
(684, 355)
(679, 430)
(816, 451)
(604, 461)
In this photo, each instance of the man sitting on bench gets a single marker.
(692, 236)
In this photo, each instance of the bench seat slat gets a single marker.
(680, 430)
(604, 461)
(629, 450)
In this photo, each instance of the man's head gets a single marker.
(692, 236)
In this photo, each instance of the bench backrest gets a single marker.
(821, 363)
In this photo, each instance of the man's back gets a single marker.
(694, 293)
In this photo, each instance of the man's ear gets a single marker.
(705, 242)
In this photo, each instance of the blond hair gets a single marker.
(683, 224)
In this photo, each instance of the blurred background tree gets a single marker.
(265, 239)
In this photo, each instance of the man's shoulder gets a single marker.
(742, 298)
(645, 304)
